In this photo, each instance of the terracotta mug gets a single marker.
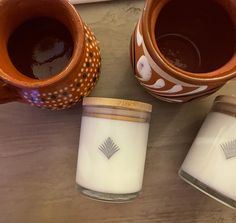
(182, 50)
(69, 86)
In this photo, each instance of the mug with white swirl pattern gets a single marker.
(182, 50)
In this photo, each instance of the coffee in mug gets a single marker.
(47, 45)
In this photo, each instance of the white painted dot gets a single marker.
(79, 75)
(73, 89)
(87, 49)
(87, 55)
(44, 94)
(86, 80)
(50, 93)
(61, 103)
(86, 94)
(65, 88)
(25, 96)
(71, 100)
(88, 84)
(84, 65)
(91, 69)
(76, 79)
(82, 69)
(91, 47)
(88, 74)
(81, 80)
(90, 60)
(71, 85)
(81, 93)
(70, 95)
(53, 101)
(55, 92)
(86, 59)
(92, 64)
(47, 102)
(61, 90)
(87, 69)
(78, 90)
(59, 100)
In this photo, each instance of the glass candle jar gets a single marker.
(112, 148)
(211, 162)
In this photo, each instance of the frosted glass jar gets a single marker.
(112, 148)
(211, 162)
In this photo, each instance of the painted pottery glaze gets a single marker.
(167, 80)
(66, 88)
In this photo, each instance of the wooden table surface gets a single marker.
(38, 149)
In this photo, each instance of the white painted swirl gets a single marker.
(144, 69)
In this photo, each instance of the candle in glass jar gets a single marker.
(112, 148)
(211, 162)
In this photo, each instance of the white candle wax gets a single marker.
(123, 172)
(207, 161)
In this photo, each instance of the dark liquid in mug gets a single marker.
(40, 48)
(195, 35)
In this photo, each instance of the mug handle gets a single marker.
(7, 94)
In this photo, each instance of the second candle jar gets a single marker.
(112, 149)
(211, 162)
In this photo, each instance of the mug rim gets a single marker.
(159, 58)
(74, 61)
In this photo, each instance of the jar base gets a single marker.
(207, 190)
(107, 197)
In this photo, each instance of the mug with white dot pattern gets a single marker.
(67, 87)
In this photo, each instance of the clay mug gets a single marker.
(65, 88)
(182, 50)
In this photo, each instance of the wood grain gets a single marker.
(38, 149)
